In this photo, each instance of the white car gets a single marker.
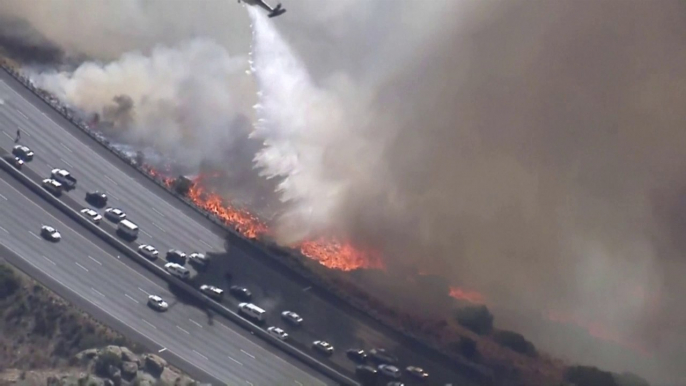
(212, 291)
(323, 347)
(115, 214)
(148, 251)
(292, 317)
(157, 303)
(50, 233)
(390, 371)
(278, 333)
(92, 215)
(52, 186)
(417, 372)
(178, 270)
(198, 259)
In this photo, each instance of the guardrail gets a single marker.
(157, 270)
(287, 260)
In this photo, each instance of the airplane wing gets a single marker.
(273, 12)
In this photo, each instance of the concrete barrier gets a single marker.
(134, 255)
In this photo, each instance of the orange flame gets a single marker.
(336, 255)
(465, 295)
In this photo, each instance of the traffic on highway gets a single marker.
(117, 198)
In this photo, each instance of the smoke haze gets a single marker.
(532, 151)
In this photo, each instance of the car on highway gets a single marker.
(22, 152)
(356, 354)
(198, 259)
(176, 256)
(367, 374)
(96, 198)
(64, 177)
(390, 371)
(278, 333)
(177, 270)
(397, 384)
(52, 186)
(148, 251)
(50, 233)
(91, 215)
(240, 292)
(381, 356)
(322, 347)
(155, 302)
(14, 161)
(417, 372)
(292, 318)
(212, 291)
(115, 214)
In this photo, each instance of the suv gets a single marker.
(199, 260)
(22, 152)
(176, 256)
(177, 270)
(97, 198)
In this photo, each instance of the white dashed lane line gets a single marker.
(235, 361)
(196, 323)
(98, 292)
(183, 330)
(127, 295)
(91, 257)
(248, 354)
(149, 324)
(81, 266)
(51, 262)
(200, 354)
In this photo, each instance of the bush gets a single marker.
(105, 360)
(468, 349)
(515, 342)
(475, 318)
(589, 376)
(9, 282)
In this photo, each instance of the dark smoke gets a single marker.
(530, 150)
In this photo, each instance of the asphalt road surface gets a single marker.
(90, 268)
(166, 223)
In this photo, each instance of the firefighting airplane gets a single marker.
(273, 12)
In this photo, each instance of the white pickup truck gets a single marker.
(64, 177)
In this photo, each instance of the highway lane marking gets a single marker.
(67, 163)
(4, 230)
(249, 383)
(235, 361)
(3, 197)
(158, 212)
(300, 384)
(248, 354)
(196, 323)
(8, 136)
(52, 262)
(147, 234)
(183, 330)
(91, 257)
(65, 146)
(163, 349)
(307, 289)
(22, 114)
(34, 235)
(127, 295)
(98, 292)
(159, 227)
(206, 244)
(149, 324)
(81, 266)
(143, 291)
(111, 180)
(201, 355)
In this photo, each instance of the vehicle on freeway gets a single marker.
(156, 302)
(52, 186)
(96, 198)
(91, 215)
(127, 229)
(417, 372)
(199, 260)
(252, 311)
(397, 384)
(64, 177)
(22, 152)
(176, 256)
(292, 318)
(322, 347)
(115, 214)
(148, 251)
(367, 374)
(356, 354)
(240, 292)
(381, 356)
(14, 161)
(390, 371)
(50, 233)
(177, 270)
(212, 291)
(278, 333)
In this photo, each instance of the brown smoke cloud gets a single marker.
(533, 151)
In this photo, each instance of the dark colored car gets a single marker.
(381, 356)
(367, 374)
(97, 199)
(357, 355)
(240, 292)
(176, 256)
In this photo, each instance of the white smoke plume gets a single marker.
(532, 151)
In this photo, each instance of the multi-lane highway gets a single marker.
(91, 269)
(166, 223)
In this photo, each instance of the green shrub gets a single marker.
(515, 342)
(475, 318)
(9, 282)
(105, 360)
(589, 376)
